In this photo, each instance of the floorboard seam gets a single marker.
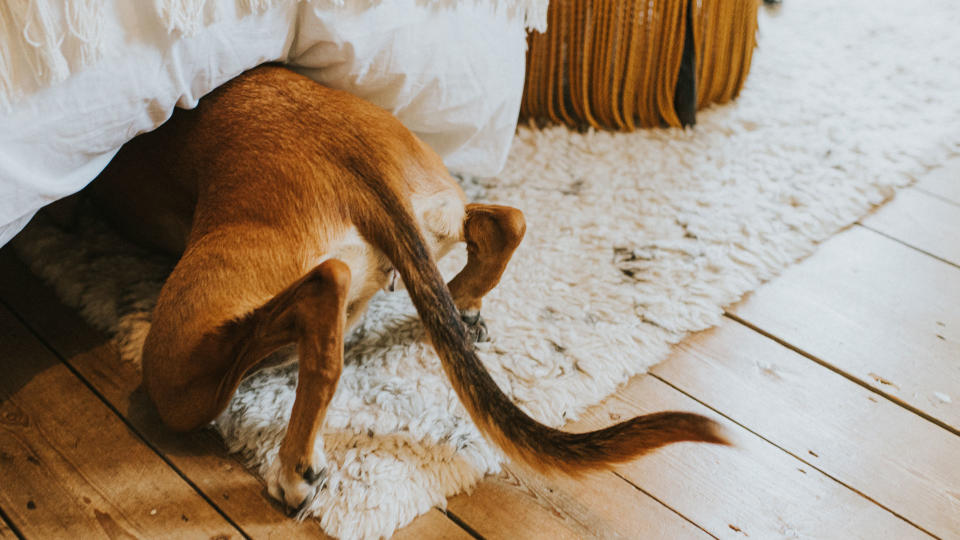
(795, 456)
(461, 523)
(844, 374)
(9, 523)
(665, 505)
(904, 243)
(936, 196)
(133, 429)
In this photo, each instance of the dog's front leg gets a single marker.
(492, 233)
(319, 308)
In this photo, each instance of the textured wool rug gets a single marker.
(634, 240)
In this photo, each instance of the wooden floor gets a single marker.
(839, 382)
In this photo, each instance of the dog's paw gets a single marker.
(296, 485)
(476, 326)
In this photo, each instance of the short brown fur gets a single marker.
(291, 205)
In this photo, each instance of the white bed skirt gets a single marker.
(453, 75)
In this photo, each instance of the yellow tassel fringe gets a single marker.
(614, 64)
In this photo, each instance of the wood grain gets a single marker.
(434, 525)
(524, 504)
(752, 489)
(70, 468)
(943, 181)
(891, 455)
(201, 456)
(883, 313)
(6, 533)
(921, 220)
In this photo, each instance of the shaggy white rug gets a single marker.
(634, 240)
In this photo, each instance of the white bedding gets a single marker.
(453, 75)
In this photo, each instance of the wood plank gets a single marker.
(891, 455)
(752, 489)
(943, 181)
(432, 525)
(201, 456)
(6, 533)
(876, 310)
(519, 503)
(70, 468)
(920, 220)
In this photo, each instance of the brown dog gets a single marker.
(292, 204)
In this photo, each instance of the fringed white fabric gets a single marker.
(182, 16)
(257, 6)
(36, 32)
(535, 14)
(41, 31)
(7, 91)
(38, 39)
(86, 21)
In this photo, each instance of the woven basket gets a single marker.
(624, 64)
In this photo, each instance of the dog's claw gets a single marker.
(476, 327)
(296, 489)
(294, 512)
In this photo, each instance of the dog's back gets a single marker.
(266, 143)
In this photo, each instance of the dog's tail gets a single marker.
(391, 227)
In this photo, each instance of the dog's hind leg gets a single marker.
(311, 313)
(492, 233)
(299, 470)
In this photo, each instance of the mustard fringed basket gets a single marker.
(627, 64)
